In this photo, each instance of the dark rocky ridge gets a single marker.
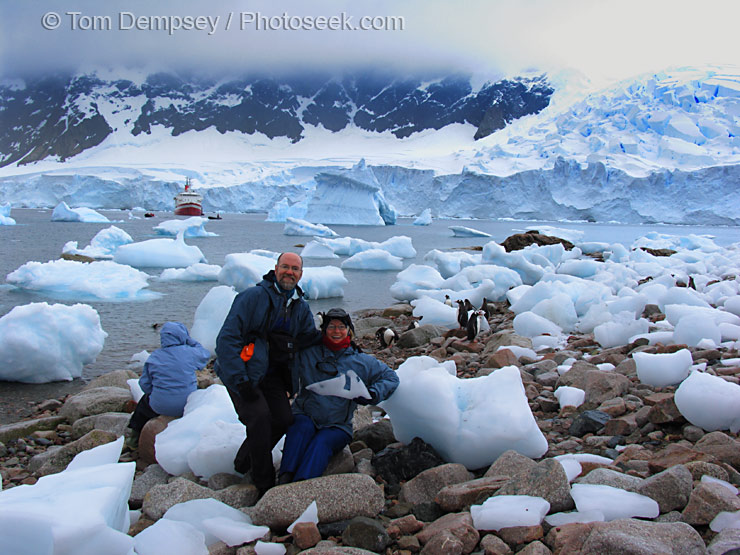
(64, 115)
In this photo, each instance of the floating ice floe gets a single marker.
(159, 253)
(42, 343)
(294, 226)
(103, 245)
(323, 282)
(468, 421)
(373, 259)
(316, 249)
(195, 272)
(192, 227)
(462, 231)
(63, 213)
(5, 218)
(68, 279)
(425, 218)
(242, 270)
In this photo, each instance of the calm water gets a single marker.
(129, 324)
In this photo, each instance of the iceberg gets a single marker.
(462, 231)
(159, 253)
(193, 227)
(425, 218)
(351, 197)
(196, 272)
(294, 226)
(103, 245)
(63, 213)
(5, 218)
(373, 259)
(42, 343)
(67, 279)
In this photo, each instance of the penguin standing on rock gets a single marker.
(474, 325)
(462, 314)
(414, 324)
(386, 336)
(485, 309)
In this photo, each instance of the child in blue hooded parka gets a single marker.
(168, 377)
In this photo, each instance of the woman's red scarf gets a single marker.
(332, 346)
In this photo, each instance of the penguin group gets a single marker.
(472, 320)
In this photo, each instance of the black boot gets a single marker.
(285, 478)
(243, 460)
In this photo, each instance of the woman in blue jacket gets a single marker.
(168, 377)
(333, 378)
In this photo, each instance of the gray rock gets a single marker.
(398, 309)
(535, 548)
(366, 327)
(504, 338)
(589, 421)
(329, 548)
(16, 430)
(721, 446)
(444, 543)
(338, 497)
(340, 463)
(113, 422)
(547, 480)
(510, 463)
(238, 495)
(366, 533)
(419, 336)
(117, 378)
(396, 464)
(628, 535)
(670, 488)
(154, 475)
(460, 525)
(459, 497)
(425, 487)
(95, 401)
(608, 477)
(56, 460)
(493, 545)
(576, 376)
(707, 500)
(726, 541)
(377, 436)
(547, 378)
(162, 497)
(223, 480)
(602, 386)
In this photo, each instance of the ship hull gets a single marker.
(188, 209)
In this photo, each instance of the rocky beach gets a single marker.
(382, 496)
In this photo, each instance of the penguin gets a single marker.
(475, 324)
(386, 336)
(462, 314)
(472, 327)
(414, 324)
(468, 305)
(448, 301)
(319, 319)
(485, 309)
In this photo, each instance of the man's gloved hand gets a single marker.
(372, 401)
(248, 392)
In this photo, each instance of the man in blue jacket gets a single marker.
(267, 323)
(168, 377)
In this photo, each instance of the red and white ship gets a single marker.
(188, 203)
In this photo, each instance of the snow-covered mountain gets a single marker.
(62, 116)
(662, 147)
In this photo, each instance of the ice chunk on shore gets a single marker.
(468, 421)
(462, 231)
(663, 369)
(67, 279)
(63, 213)
(210, 315)
(570, 396)
(709, 402)
(373, 259)
(294, 226)
(42, 343)
(103, 245)
(159, 253)
(506, 511)
(192, 227)
(197, 511)
(170, 536)
(613, 502)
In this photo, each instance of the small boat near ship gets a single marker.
(188, 202)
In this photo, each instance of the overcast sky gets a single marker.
(613, 39)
